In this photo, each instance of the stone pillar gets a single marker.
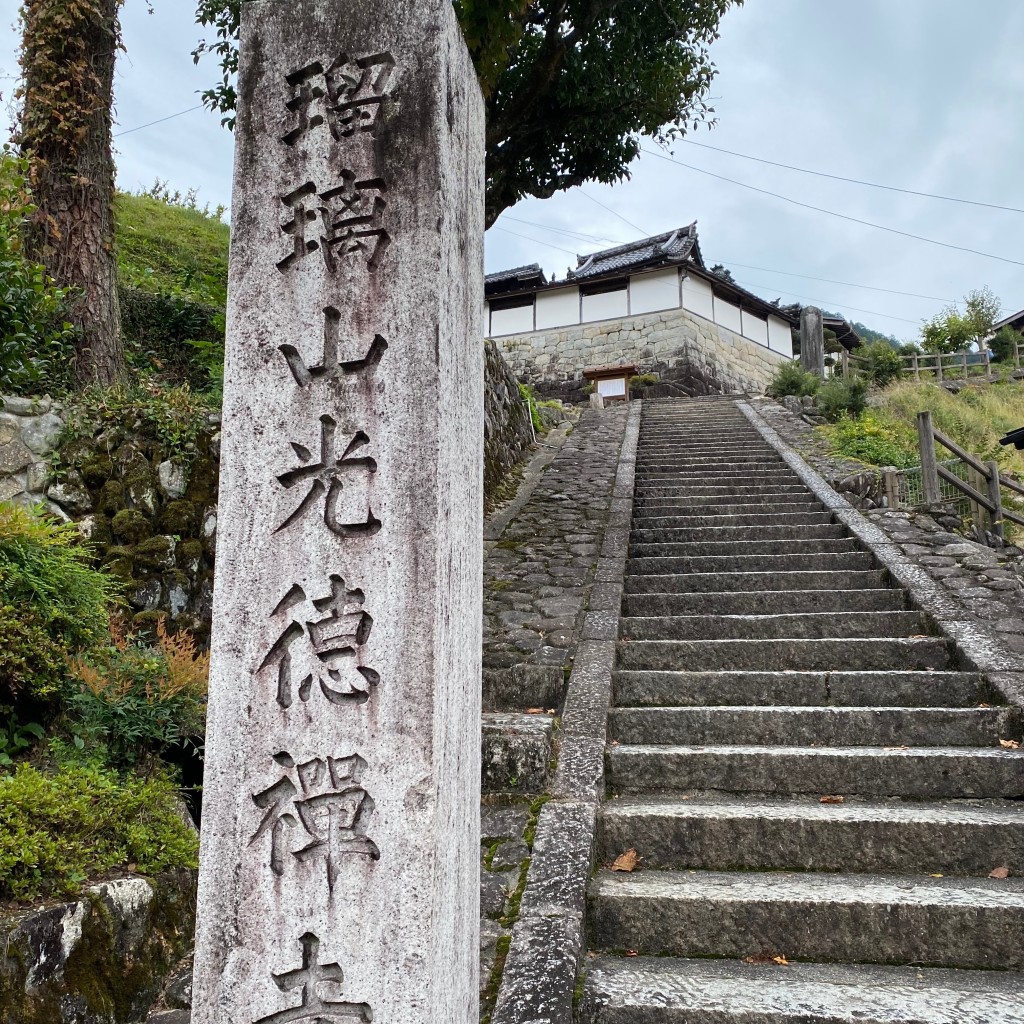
(340, 847)
(812, 341)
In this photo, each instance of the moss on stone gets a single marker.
(97, 470)
(146, 622)
(110, 500)
(190, 552)
(178, 518)
(119, 562)
(132, 526)
(155, 553)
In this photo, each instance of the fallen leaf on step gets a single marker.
(896, 748)
(832, 800)
(936, 876)
(921, 636)
(552, 711)
(767, 958)
(1009, 744)
(632, 952)
(627, 862)
(535, 711)
(1000, 873)
(780, 960)
(984, 705)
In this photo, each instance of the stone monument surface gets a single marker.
(812, 340)
(339, 866)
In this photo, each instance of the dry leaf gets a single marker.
(767, 958)
(780, 960)
(1000, 873)
(632, 952)
(535, 711)
(936, 876)
(627, 862)
(1009, 744)
(983, 705)
(832, 800)
(552, 711)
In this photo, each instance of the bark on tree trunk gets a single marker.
(72, 233)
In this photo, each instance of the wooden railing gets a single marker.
(939, 365)
(984, 486)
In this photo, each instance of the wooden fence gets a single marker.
(983, 486)
(938, 365)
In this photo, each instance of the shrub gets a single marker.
(57, 830)
(843, 396)
(869, 440)
(1002, 344)
(136, 701)
(47, 575)
(791, 379)
(35, 339)
(526, 393)
(31, 659)
(643, 380)
(884, 363)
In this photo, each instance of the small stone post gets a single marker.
(339, 875)
(929, 465)
(812, 341)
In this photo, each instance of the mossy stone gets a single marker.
(131, 525)
(179, 518)
(97, 470)
(111, 498)
(155, 553)
(146, 622)
(100, 535)
(119, 562)
(203, 479)
(190, 554)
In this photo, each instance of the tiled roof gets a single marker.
(529, 273)
(671, 247)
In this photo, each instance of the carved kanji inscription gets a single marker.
(341, 222)
(347, 97)
(325, 478)
(318, 985)
(322, 644)
(318, 810)
(331, 365)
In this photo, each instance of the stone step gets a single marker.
(765, 602)
(794, 726)
(673, 507)
(875, 653)
(920, 773)
(716, 472)
(948, 838)
(523, 686)
(811, 545)
(798, 626)
(656, 521)
(737, 464)
(516, 753)
(699, 489)
(952, 922)
(752, 581)
(662, 990)
(738, 534)
(810, 689)
(842, 561)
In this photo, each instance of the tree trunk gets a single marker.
(66, 134)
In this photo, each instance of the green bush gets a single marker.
(791, 379)
(1002, 344)
(57, 830)
(884, 363)
(841, 397)
(31, 658)
(137, 700)
(173, 336)
(869, 440)
(35, 339)
(46, 574)
(526, 393)
(643, 380)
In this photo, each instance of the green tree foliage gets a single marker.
(34, 337)
(953, 331)
(1003, 343)
(570, 85)
(884, 363)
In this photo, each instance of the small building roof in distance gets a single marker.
(1016, 321)
(619, 370)
(531, 276)
(666, 249)
(844, 331)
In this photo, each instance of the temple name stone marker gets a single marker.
(812, 340)
(340, 849)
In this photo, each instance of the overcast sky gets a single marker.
(924, 95)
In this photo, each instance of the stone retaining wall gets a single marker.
(508, 432)
(677, 344)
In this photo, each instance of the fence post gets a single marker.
(917, 367)
(938, 366)
(891, 481)
(963, 357)
(995, 494)
(978, 512)
(1016, 354)
(929, 467)
(846, 364)
(988, 362)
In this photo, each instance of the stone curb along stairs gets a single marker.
(816, 761)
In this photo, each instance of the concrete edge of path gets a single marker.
(548, 938)
(977, 649)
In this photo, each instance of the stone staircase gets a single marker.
(817, 790)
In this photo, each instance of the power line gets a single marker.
(535, 240)
(833, 213)
(561, 231)
(635, 227)
(853, 181)
(170, 117)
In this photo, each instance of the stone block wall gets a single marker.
(507, 429)
(703, 357)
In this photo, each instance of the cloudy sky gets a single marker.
(922, 95)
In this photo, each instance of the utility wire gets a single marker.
(535, 240)
(562, 231)
(170, 117)
(853, 181)
(833, 213)
(635, 227)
